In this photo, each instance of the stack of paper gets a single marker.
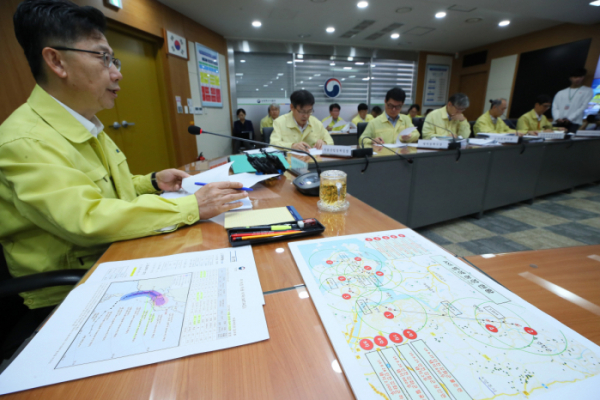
(219, 174)
(140, 312)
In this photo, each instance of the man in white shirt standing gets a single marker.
(569, 103)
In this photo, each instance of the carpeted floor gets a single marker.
(557, 220)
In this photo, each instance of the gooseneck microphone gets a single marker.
(408, 160)
(454, 144)
(307, 184)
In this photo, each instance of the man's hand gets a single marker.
(405, 138)
(378, 140)
(301, 146)
(458, 117)
(329, 128)
(532, 133)
(169, 180)
(214, 198)
(319, 144)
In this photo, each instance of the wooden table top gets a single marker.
(276, 266)
(296, 362)
(564, 283)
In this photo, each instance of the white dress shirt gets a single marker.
(94, 126)
(570, 103)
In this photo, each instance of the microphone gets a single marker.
(408, 160)
(454, 145)
(307, 184)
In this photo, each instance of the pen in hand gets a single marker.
(243, 188)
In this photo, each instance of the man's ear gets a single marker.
(54, 61)
(291, 107)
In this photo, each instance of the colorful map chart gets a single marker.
(410, 321)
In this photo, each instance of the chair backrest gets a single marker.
(13, 308)
(267, 134)
(418, 123)
(511, 123)
(472, 123)
(360, 128)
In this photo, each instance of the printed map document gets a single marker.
(150, 311)
(409, 320)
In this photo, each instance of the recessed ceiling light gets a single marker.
(281, 88)
(350, 58)
(299, 55)
(595, 3)
(242, 61)
(359, 63)
(362, 4)
(301, 81)
(404, 10)
(395, 35)
(330, 29)
(257, 90)
(310, 77)
(473, 20)
(441, 14)
(504, 23)
(256, 24)
(332, 64)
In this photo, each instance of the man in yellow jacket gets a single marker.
(66, 191)
(298, 129)
(387, 127)
(363, 115)
(535, 121)
(334, 123)
(448, 120)
(491, 121)
(267, 122)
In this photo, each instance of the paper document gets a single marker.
(259, 151)
(246, 203)
(405, 132)
(266, 216)
(409, 320)
(313, 151)
(142, 312)
(394, 145)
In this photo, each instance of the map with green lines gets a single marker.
(409, 320)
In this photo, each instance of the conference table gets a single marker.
(420, 187)
(298, 361)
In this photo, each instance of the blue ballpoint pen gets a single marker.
(244, 188)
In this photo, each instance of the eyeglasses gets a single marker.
(306, 112)
(393, 107)
(108, 59)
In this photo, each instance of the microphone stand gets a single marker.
(454, 145)
(408, 160)
(307, 184)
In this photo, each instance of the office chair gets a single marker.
(267, 134)
(360, 128)
(472, 123)
(418, 123)
(511, 123)
(18, 321)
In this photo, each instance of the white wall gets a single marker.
(500, 79)
(213, 119)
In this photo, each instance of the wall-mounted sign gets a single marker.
(437, 79)
(176, 45)
(210, 76)
(332, 88)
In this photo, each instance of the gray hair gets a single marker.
(496, 102)
(459, 100)
(274, 105)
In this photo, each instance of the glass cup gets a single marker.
(332, 192)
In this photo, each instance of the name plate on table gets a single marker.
(298, 166)
(588, 133)
(502, 138)
(551, 135)
(433, 144)
(337, 151)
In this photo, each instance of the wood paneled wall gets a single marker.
(421, 77)
(148, 16)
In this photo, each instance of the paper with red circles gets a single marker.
(399, 309)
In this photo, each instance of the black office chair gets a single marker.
(511, 123)
(18, 321)
(267, 134)
(360, 128)
(418, 123)
(472, 123)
